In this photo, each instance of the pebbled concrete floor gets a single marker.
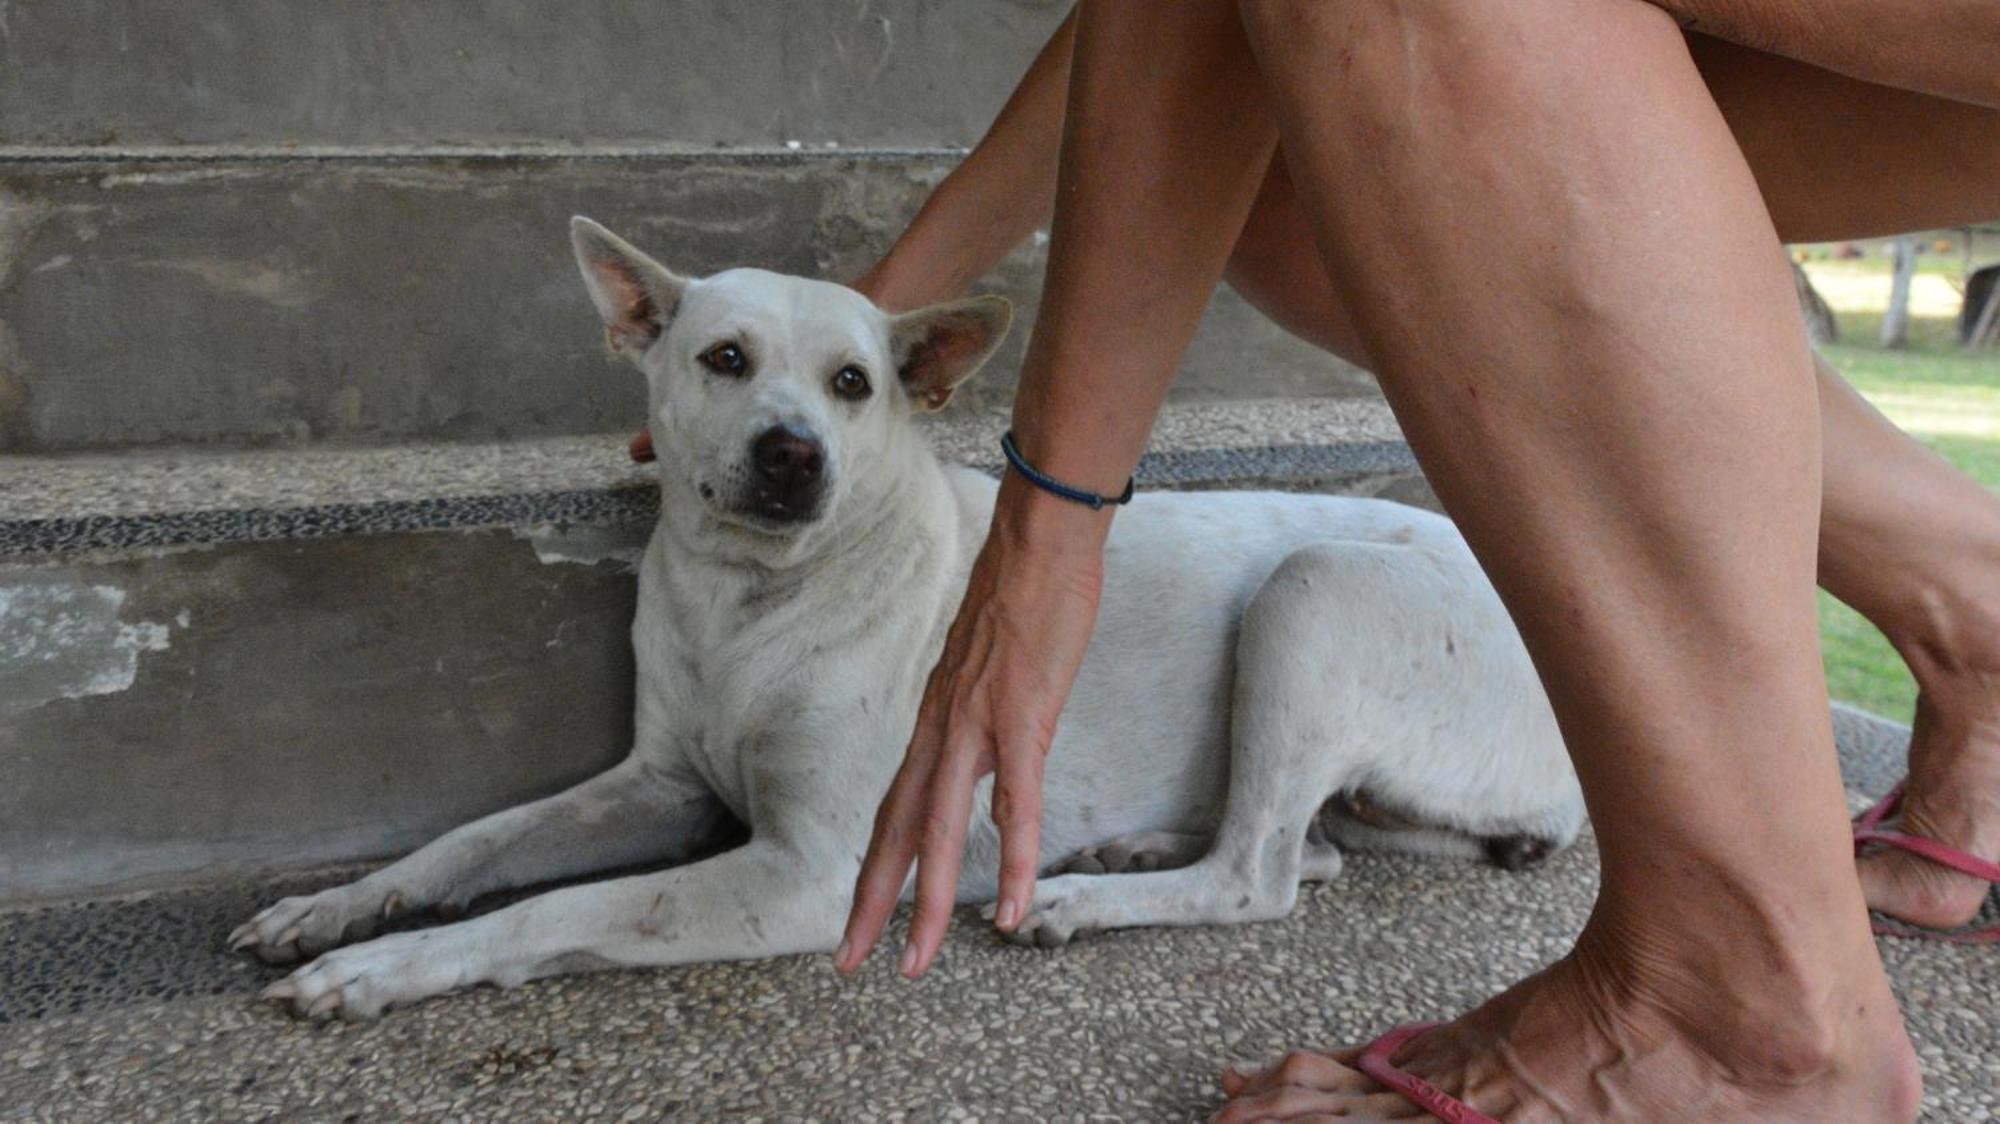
(129, 1010)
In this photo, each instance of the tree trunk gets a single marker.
(1979, 320)
(1896, 321)
(1821, 327)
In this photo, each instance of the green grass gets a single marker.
(1945, 397)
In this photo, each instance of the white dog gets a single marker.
(1257, 656)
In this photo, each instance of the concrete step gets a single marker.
(132, 1010)
(703, 72)
(214, 664)
(343, 296)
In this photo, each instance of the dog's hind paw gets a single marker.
(1143, 851)
(1517, 852)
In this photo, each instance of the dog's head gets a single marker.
(770, 396)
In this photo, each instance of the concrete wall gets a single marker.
(294, 221)
(224, 711)
(373, 300)
(881, 73)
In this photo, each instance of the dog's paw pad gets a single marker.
(1119, 858)
(1145, 851)
(1083, 862)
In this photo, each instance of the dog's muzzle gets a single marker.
(787, 476)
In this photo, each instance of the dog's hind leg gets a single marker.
(630, 813)
(1285, 761)
(1251, 874)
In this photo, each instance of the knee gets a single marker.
(1472, 60)
(1276, 266)
(1772, 28)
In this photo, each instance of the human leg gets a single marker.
(1646, 504)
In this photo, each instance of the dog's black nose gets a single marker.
(787, 460)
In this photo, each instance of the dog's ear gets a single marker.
(937, 348)
(635, 295)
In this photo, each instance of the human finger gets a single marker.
(941, 850)
(1017, 812)
(891, 849)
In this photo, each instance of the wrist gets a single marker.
(1031, 520)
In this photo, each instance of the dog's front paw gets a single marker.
(309, 924)
(1053, 917)
(363, 980)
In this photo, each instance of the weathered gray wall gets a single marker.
(292, 221)
(886, 73)
(273, 703)
(370, 300)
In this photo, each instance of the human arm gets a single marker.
(1000, 193)
(1165, 145)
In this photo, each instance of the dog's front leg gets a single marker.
(627, 814)
(762, 899)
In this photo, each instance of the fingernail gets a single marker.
(840, 955)
(910, 960)
(1010, 915)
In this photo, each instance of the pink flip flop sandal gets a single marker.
(1376, 1063)
(1868, 830)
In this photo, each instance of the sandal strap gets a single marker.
(1376, 1063)
(1868, 830)
(1940, 853)
(1873, 817)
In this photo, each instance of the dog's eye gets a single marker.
(851, 382)
(725, 358)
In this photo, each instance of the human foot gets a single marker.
(1952, 797)
(1578, 1043)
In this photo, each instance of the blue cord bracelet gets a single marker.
(1056, 487)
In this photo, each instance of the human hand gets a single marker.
(991, 706)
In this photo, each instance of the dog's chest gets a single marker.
(769, 688)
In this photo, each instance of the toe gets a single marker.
(1084, 862)
(1305, 1069)
(279, 951)
(1288, 1102)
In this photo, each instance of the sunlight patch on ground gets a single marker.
(1944, 411)
(1854, 290)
